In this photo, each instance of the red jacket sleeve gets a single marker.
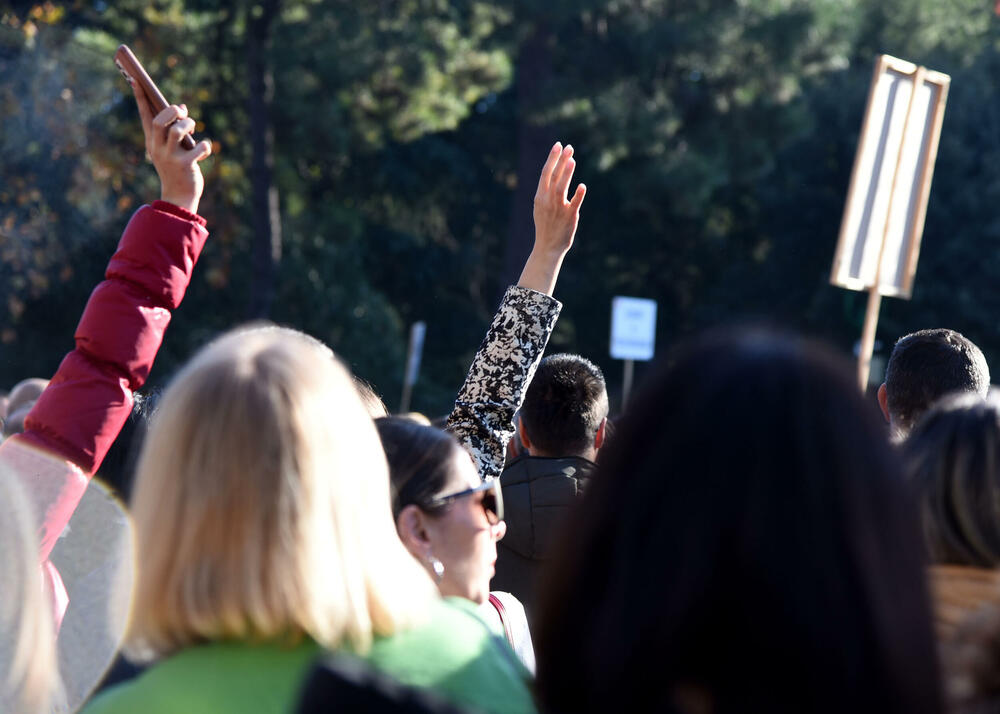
(88, 400)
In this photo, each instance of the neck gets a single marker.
(589, 454)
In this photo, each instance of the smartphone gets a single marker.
(133, 72)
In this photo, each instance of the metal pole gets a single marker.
(627, 381)
(413, 353)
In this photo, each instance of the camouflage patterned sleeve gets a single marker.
(483, 417)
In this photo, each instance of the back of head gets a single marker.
(953, 458)
(26, 392)
(262, 505)
(564, 405)
(925, 366)
(20, 401)
(420, 460)
(746, 543)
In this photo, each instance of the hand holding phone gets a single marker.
(134, 73)
(167, 129)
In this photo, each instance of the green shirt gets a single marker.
(453, 654)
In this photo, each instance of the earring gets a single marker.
(437, 566)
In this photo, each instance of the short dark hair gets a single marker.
(564, 405)
(419, 458)
(747, 536)
(953, 459)
(925, 366)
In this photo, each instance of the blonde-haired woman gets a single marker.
(264, 533)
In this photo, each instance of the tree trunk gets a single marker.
(534, 70)
(266, 210)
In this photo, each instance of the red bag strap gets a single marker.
(498, 606)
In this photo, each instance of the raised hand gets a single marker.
(181, 180)
(556, 220)
(555, 217)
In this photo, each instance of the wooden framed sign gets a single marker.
(891, 180)
(884, 214)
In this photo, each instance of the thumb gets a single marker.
(577, 200)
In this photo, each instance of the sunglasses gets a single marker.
(492, 499)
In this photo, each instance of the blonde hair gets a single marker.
(370, 399)
(262, 505)
(29, 679)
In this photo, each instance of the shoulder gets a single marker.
(130, 696)
(514, 622)
(526, 469)
(215, 678)
(510, 603)
(453, 631)
(456, 654)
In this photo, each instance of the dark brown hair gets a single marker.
(747, 542)
(420, 460)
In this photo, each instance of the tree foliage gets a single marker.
(716, 138)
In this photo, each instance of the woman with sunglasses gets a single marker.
(450, 520)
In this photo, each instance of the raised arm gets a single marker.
(483, 416)
(78, 416)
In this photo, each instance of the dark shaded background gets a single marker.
(375, 164)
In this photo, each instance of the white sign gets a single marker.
(633, 328)
(891, 181)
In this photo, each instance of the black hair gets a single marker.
(420, 461)
(118, 468)
(747, 541)
(564, 405)
(925, 366)
(953, 459)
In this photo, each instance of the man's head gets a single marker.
(925, 366)
(19, 402)
(565, 408)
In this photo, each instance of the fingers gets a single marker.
(550, 163)
(177, 130)
(578, 196)
(203, 150)
(169, 115)
(163, 124)
(567, 165)
(560, 166)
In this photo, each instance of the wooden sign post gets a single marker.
(883, 221)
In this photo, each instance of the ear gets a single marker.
(525, 441)
(599, 436)
(412, 529)
(883, 401)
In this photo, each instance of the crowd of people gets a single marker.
(749, 535)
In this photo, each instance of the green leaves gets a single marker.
(716, 139)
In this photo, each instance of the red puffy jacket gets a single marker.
(78, 416)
